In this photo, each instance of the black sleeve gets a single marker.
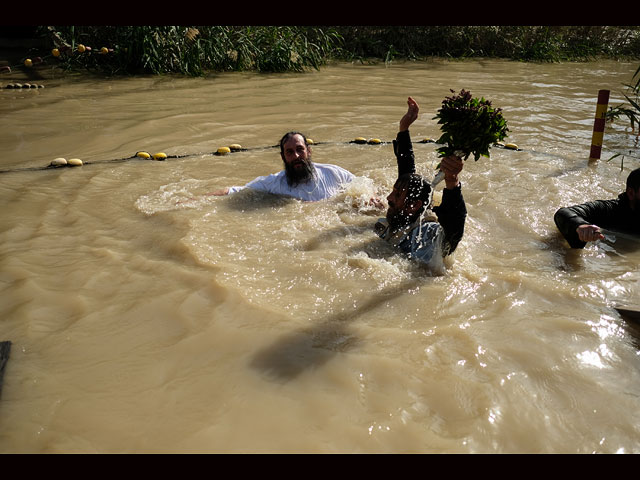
(452, 214)
(568, 219)
(403, 150)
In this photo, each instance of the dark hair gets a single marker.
(633, 180)
(417, 187)
(287, 136)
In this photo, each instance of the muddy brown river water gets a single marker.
(146, 316)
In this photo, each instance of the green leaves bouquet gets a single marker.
(469, 126)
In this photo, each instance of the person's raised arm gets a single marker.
(402, 147)
(411, 115)
(451, 166)
(452, 211)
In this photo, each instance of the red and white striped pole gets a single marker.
(598, 125)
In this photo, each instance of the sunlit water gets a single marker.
(146, 316)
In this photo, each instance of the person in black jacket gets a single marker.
(580, 224)
(411, 225)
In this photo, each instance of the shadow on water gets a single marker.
(567, 259)
(248, 200)
(312, 346)
(5, 348)
(370, 247)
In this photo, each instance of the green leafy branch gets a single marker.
(469, 125)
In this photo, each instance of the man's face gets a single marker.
(296, 152)
(396, 201)
(296, 155)
(400, 211)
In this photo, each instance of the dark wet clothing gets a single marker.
(615, 215)
(422, 239)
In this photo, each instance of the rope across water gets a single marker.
(226, 150)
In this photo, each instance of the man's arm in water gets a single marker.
(219, 193)
(577, 225)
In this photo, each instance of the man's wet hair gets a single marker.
(287, 136)
(417, 187)
(633, 180)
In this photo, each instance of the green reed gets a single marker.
(631, 111)
(525, 43)
(196, 50)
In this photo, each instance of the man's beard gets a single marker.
(298, 175)
(398, 220)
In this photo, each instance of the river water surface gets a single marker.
(146, 316)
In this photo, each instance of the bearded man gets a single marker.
(583, 223)
(301, 178)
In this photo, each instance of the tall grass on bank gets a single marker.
(195, 50)
(526, 43)
(198, 49)
(631, 111)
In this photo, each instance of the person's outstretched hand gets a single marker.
(589, 233)
(410, 116)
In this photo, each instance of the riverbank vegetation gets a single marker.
(631, 111)
(199, 49)
(193, 50)
(524, 43)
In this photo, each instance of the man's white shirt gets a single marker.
(326, 182)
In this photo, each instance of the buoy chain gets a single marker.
(23, 86)
(56, 52)
(233, 148)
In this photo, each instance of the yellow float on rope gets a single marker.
(160, 156)
(143, 155)
(55, 52)
(223, 150)
(28, 62)
(81, 48)
(374, 141)
(58, 162)
(309, 141)
(511, 146)
(104, 50)
(74, 162)
(235, 146)
(360, 140)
